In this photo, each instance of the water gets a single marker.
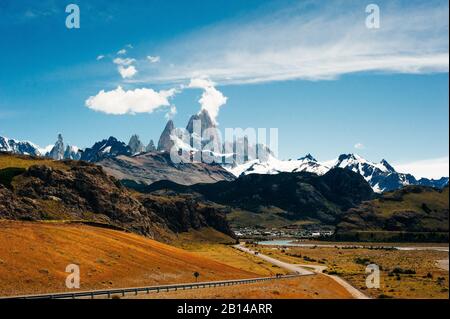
(297, 244)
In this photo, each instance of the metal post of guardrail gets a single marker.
(92, 295)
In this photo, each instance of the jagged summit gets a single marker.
(57, 152)
(387, 165)
(136, 145)
(105, 149)
(307, 157)
(150, 147)
(165, 142)
(204, 118)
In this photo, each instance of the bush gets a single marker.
(399, 270)
(362, 261)
(7, 175)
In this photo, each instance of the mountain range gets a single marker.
(148, 164)
(381, 176)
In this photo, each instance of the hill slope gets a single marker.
(34, 256)
(412, 209)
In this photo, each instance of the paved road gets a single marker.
(291, 267)
(300, 269)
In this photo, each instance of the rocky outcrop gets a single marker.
(184, 212)
(77, 190)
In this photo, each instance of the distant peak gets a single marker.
(308, 157)
(351, 156)
(170, 124)
(387, 165)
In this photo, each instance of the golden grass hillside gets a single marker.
(34, 256)
(23, 161)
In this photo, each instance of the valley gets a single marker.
(404, 273)
(125, 233)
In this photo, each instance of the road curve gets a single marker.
(291, 267)
(300, 270)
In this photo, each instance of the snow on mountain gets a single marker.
(105, 149)
(18, 147)
(72, 152)
(59, 151)
(382, 176)
(274, 166)
(45, 150)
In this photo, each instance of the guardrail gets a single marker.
(163, 288)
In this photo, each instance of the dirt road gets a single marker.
(301, 269)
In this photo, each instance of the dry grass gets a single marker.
(307, 287)
(429, 281)
(34, 255)
(21, 161)
(200, 243)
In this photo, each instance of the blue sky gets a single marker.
(311, 69)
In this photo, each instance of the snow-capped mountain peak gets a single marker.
(308, 157)
(272, 165)
(18, 147)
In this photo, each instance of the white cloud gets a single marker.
(100, 57)
(125, 61)
(359, 146)
(171, 113)
(430, 168)
(120, 102)
(122, 52)
(312, 41)
(153, 59)
(212, 99)
(127, 72)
